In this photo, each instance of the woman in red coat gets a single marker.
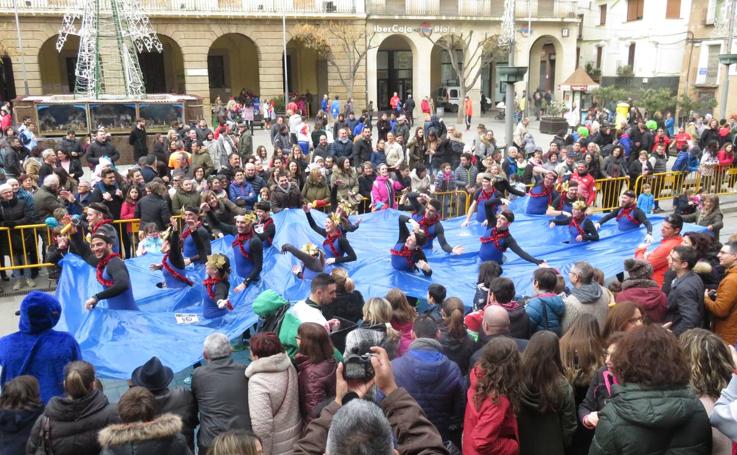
(490, 422)
(315, 367)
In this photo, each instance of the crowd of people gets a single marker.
(638, 363)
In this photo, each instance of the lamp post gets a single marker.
(20, 50)
(510, 75)
(284, 45)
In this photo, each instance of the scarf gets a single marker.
(173, 272)
(576, 225)
(426, 223)
(99, 224)
(406, 253)
(240, 240)
(329, 242)
(187, 232)
(485, 196)
(587, 293)
(627, 213)
(101, 264)
(544, 192)
(496, 237)
(210, 286)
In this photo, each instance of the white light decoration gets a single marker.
(111, 34)
(506, 35)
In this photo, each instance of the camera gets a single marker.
(713, 294)
(358, 367)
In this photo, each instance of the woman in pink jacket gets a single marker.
(383, 190)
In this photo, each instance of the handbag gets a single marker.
(44, 447)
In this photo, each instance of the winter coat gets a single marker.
(545, 312)
(405, 330)
(345, 305)
(74, 424)
(15, 427)
(137, 139)
(361, 151)
(204, 160)
(290, 198)
(380, 192)
(434, 381)
(724, 307)
(597, 305)
(686, 303)
(221, 390)
(549, 432)
(36, 349)
(45, 202)
(420, 185)
(457, 350)
(598, 393)
(273, 400)
(153, 208)
(184, 199)
(713, 219)
(648, 297)
(347, 189)
(316, 384)
(316, 190)
(180, 402)
(16, 212)
(365, 185)
(491, 426)
(160, 436)
(97, 150)
(341, 149)
(639, 420)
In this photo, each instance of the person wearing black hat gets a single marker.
(156, 377)
(427, 215)
(497, 239)
(110, 271)
(195, 238)
(264, 227)
(100, 221)
(628, 216)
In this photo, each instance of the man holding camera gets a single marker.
(723, 304)
(352, 424)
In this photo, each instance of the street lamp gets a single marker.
(510, 75)
(20, 49)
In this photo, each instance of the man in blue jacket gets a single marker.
(432, 379)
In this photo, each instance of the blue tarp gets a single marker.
(118, 341)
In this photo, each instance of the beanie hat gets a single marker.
(638, 270)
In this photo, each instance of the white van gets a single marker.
(448, 97)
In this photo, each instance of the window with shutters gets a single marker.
(602, 14)
(712, 65)
(635, 9)
(673, 9)
(599, 52)
(631, 57)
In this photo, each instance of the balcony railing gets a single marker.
(473, 8)
(204, 7)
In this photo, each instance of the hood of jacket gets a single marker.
(587, 293)
(65, 409)
(639, 283)
(648, 298)
(655, 409)
(164, 426)
(38, 312)
(531, 398)
(15, 420)
(273, 364)
(426, 361)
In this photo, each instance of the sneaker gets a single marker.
(30, 283)
(18, 284)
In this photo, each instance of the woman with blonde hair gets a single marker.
(711, 369)
(236, 442)
(348, 302)
(710, 216)
(375, 329)
(403, 316)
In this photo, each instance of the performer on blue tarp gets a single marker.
(427, 214)
(628, 215)
(248, 248)
(543, 193)
(336, 247)
(100, 220)
(497, 239)
(195, 238)
(172, 264)
(110, 271)
(407, 254)
(264, 227)
(217, 286)
(312, 258)
(488, 197)
(562, 205)
(580, 227)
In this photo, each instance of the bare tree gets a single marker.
(351, 43)
(468, 63)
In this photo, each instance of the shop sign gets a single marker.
(424, 28)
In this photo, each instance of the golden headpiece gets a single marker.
(217, 261)
(248, 217)
(310, 249)
(165, 235)
(579, 205)
(335, 218)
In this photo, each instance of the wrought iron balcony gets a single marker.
(473, 8)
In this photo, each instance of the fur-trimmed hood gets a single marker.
(164, 426)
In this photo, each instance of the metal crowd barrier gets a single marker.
(608, 192)
(719, 180)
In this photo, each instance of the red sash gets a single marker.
(240, 239)
(99, 224)
(426, 223)
(102, 263)
(187, 232)
(496, 237)
(406, 253)
(173, 272)
(627, 213)
(484, 196)
(209, 286)
(329, 242)
(578, 227)
(546, 192)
